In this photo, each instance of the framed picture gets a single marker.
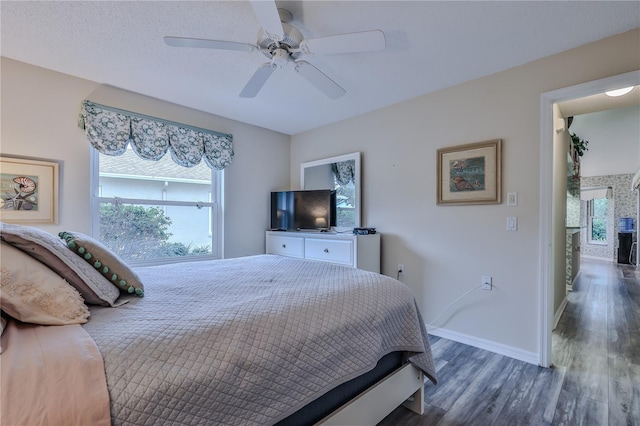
(470, 174)
(28, 190)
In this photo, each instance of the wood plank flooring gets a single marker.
(595, 379)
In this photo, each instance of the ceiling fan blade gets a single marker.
(258, 80)
(269, 18)
(208, 44)
(365, 41)
(316, 77)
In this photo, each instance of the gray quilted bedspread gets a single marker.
(249, 341)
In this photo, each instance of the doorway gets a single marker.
(547, 244)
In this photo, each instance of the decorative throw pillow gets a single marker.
(31, 292)
(54, 253)
(105, 261)
(3, 325)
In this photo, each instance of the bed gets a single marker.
(249, 341)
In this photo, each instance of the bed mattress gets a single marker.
(249, 341)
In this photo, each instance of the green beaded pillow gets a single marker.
(105, 261)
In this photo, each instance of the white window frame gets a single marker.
(215, 202)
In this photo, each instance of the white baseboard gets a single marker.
(606, 259)
(556, 317)
(573, 283)
(498, 348)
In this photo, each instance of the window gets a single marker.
(597, 210)
(155, 211)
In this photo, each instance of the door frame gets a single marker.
(546, 242)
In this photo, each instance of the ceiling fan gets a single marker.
(283, 43)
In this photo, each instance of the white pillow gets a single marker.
(30, 292)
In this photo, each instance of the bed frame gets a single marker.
(405, 386)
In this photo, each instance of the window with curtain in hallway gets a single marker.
(597, 209)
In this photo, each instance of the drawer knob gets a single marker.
(326, 250)
(284, 246)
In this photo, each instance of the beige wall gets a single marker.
(39, 119)
(446, 249)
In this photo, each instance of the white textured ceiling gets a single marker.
(430, 46)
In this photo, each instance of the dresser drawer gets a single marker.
(335, 251)
(285, 246)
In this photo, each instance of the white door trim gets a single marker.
(546, 242)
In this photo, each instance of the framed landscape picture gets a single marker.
(28, 190)
(470, 174)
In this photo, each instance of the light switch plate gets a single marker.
(512, 224)
(512, 198)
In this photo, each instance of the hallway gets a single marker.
(598, 341)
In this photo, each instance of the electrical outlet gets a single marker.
(487, 282)
(400, 268)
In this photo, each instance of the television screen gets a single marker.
(312, 209)
(300, 210)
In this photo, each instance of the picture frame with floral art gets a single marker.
(470, 174)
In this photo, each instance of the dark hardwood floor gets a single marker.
(595, 379)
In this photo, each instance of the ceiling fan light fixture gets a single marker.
(619, 92)
(280, 57)
(291, 41)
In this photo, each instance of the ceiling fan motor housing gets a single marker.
(291, 40)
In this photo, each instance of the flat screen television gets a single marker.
(303, 210)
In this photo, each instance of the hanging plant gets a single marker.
(579, 144)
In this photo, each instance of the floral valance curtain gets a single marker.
(110, 130)
(344, 171)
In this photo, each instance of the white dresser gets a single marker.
(358, 251)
